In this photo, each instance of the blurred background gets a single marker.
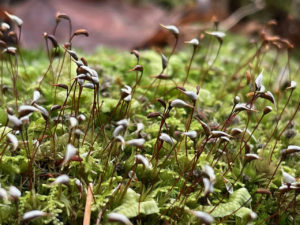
(128, 24)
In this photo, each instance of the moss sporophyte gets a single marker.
(176, 136)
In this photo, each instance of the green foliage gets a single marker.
(234, 205)
(131, 205)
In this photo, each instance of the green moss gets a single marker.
(168, 190)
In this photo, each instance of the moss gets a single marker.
(170, 190)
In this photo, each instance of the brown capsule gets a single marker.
(81, 118)
(173, 29)
(81, 32)
(194, 42)
(73, 54)
(137, 68)
(203, 217)
(76, 158)
(4, 26)
(259, 82)
(161, 77)
(292, 86)
(11, 50)
(269, 96)
(61, 16)
(143, 160)
(284, 188)
(117, 217)
(12, 139)
(67, 45)
(181, 88)
(247, 148)
(177, 134)
(244, 107)
(248, 76)
(78, 133)
(162, 102)
(290, 150)
(42, 110)
(263, 191)
(24, 110)
(14, 121)
(53, 40)
(55, 107)
(267, 110)
(236, 100)
(64, 86)
(218, 134)
(10, 110)
(235, 131)
(250, 157)
(33, 214)
(83, 60)
(89, 86)
(153, 115)
(136, 53)
(218, 35)
(124, 95)
(80, 70)
(164, 61)
(205, 127)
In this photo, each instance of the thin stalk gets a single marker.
(189, 66)
(213, 62)
(287, 125)
(247, 62)
(3, 151)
